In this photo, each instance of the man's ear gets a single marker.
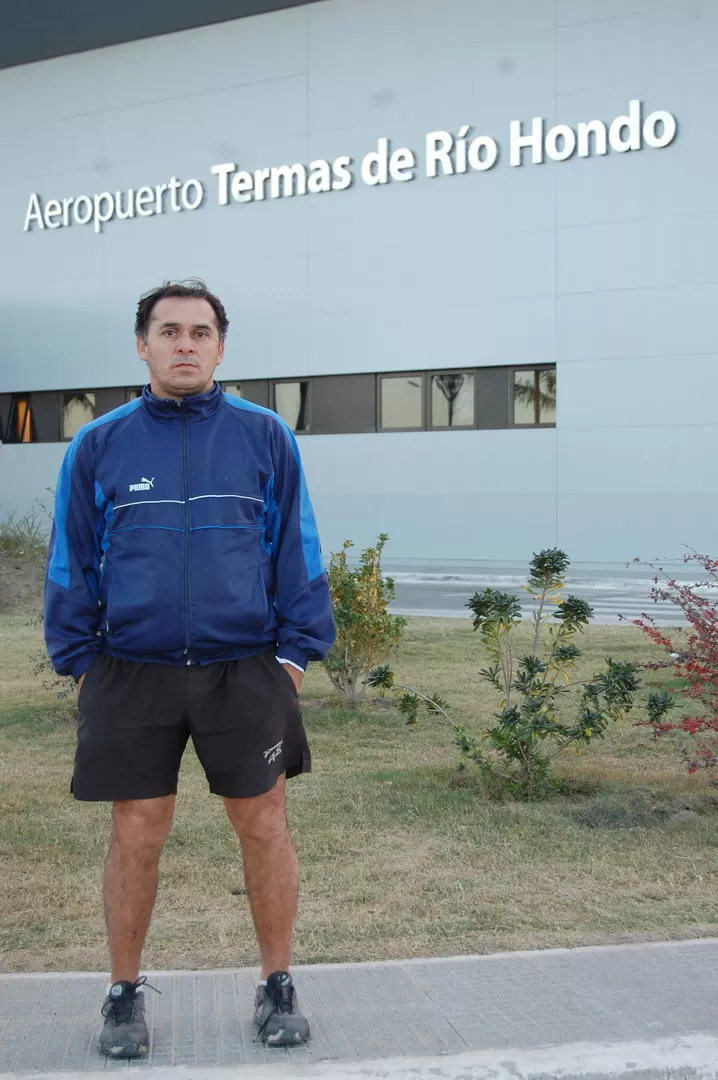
(141, 347)
(220, 352)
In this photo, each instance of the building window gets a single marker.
(453, 399)
(401, 402)
(21, 423)
(291, 401)
(134, 392)
(232, 388)
(534, 396)
(77, 410)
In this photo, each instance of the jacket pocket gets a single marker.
(232, 603)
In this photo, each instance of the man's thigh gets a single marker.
(247, 726)
(131, 733)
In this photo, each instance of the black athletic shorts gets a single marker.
(135, 719)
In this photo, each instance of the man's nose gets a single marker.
(183, 344)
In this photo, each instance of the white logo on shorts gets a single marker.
(273, 752)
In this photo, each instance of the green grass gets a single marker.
(401, 854)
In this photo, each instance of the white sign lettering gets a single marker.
(445, 154)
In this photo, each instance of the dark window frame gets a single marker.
(401, 375)
(424, 376)
(513, 370)
(430, 425)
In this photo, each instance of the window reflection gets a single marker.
(78, 410)
(402, 401)
(453, 403)
(291, 401)
(535, 396)
(21, 423)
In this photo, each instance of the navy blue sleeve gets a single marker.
(306, 624)
(72, 612)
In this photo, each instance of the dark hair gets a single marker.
(192, 287)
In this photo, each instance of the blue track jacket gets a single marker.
(184, 535)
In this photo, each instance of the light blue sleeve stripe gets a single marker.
(308, 525)
(59, 567)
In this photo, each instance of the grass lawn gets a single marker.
(400, 854)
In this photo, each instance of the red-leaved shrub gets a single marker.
(693, 661)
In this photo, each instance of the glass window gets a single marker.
(402, 401)
(535, 396)
(453, 401)
(134, 392)
(77, 410)
(291, 401)
(232, 388)
(21, 423)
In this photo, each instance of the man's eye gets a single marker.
(202, 333)
(168, 332)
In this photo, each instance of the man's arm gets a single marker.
(73, 568)
(306, 625)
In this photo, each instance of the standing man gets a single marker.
(185, 594)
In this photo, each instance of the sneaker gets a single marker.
(125, 1033)
(276, 1012)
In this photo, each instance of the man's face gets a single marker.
(182, 348)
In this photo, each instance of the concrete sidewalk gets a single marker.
(635, 1010)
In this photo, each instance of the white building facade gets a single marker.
(467, 249)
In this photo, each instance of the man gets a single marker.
(185, 594)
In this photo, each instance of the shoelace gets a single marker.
(282, 998)
(123, 1008)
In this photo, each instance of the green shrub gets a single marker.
(366, 633)
(537, 696)
(25, 535)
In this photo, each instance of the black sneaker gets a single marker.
(125, 1033)
(276, 1012)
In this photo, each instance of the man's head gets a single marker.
(180, 328)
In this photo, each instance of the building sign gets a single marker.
(444, 154)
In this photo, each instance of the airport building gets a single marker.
(467, 249)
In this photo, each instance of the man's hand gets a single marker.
(295, 675)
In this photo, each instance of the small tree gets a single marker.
(366, 632)
(533, 685)
(693, 662)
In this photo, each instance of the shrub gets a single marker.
(530, 731)
(26, 534)
(366, 633)
(693, 661)
(409, 700)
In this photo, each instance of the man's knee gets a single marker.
(142, 825)
(262, 818)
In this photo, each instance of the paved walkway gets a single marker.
(629, 1010)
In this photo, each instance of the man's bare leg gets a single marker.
(139, 830)
(270, 872)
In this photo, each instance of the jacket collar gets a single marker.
(196, 407)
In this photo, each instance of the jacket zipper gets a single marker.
(185, 561)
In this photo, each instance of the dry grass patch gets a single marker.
(401, 856)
